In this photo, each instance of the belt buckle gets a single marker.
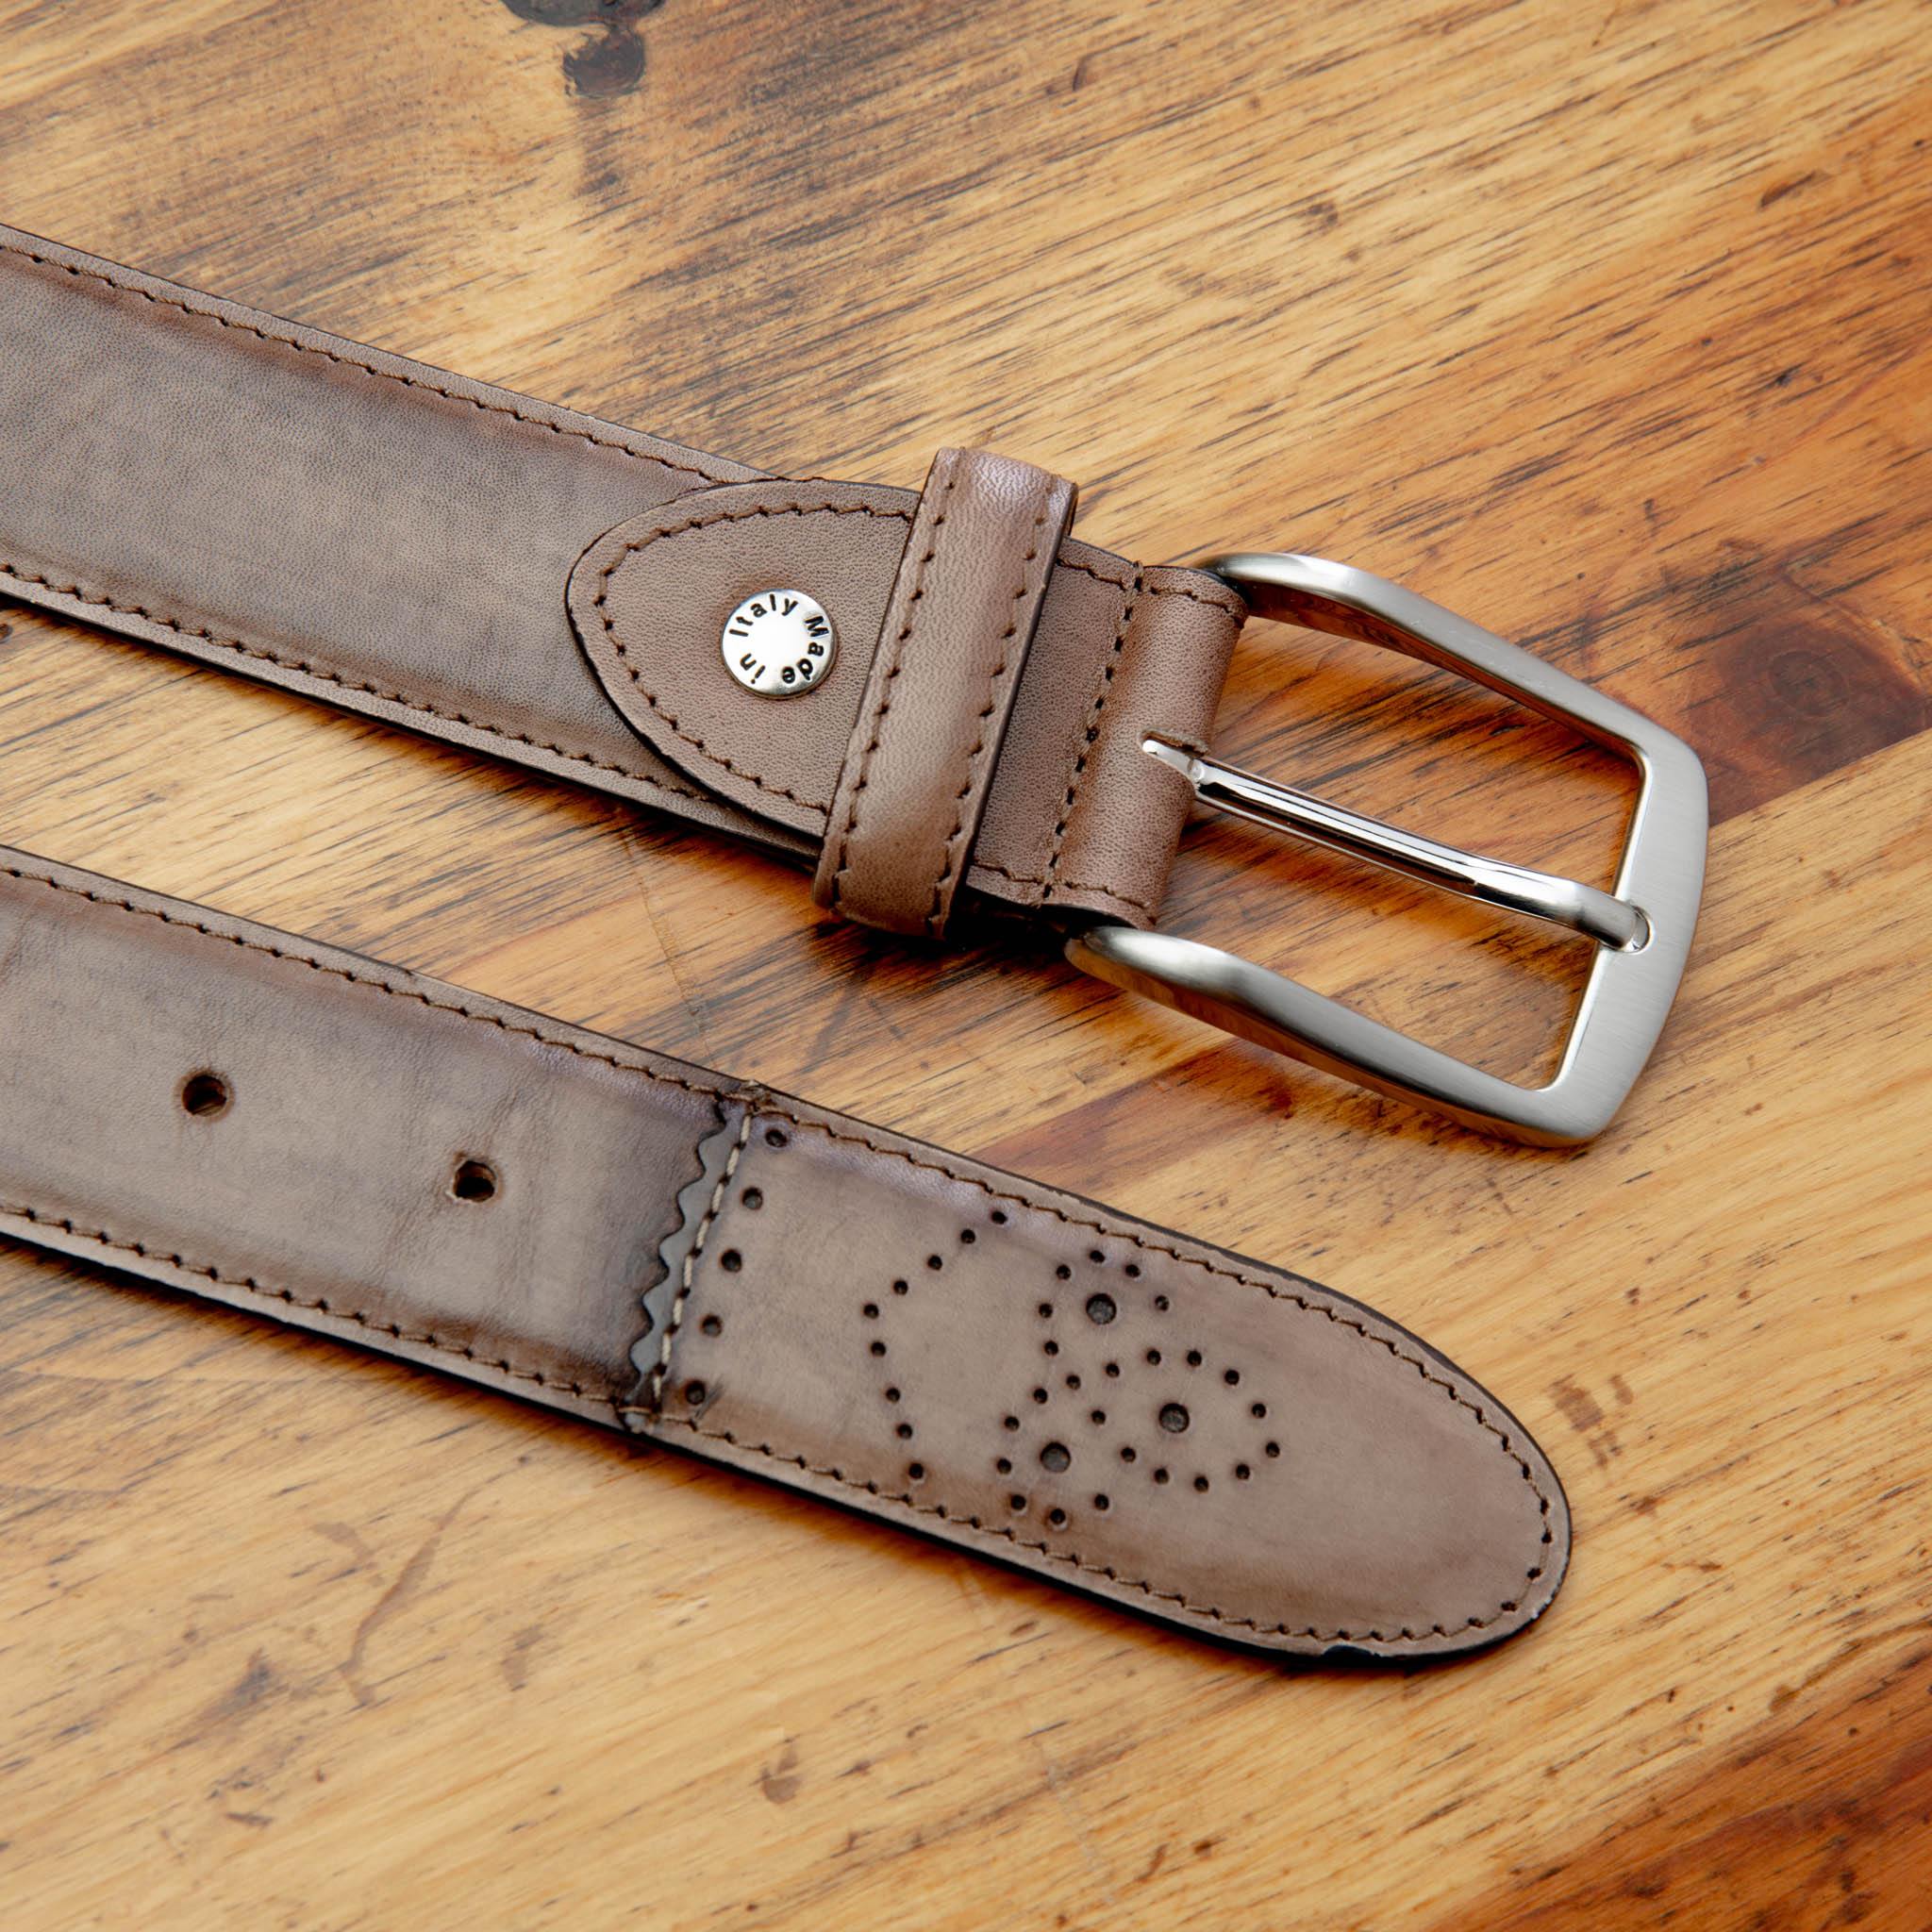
(1641, 928)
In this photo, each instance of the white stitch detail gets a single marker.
(655, 1400)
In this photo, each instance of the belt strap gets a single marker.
(350, 1148)
(941, 703)
(525, 580)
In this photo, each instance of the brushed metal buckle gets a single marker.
(1641, 928)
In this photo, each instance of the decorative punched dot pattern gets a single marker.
(1045, 1443)
(1145, 1403)
(1030, 1388)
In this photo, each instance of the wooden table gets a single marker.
(1606, 325)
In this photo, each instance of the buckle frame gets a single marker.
(1642, 928)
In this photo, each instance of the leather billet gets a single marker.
(192, 1098)
(525, 580)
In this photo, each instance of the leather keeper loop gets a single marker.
(920, 764)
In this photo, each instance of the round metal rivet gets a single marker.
(779, 643)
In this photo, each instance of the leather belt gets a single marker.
(193, 1099)
(398, 540)
(350, 1148)
(941, 701)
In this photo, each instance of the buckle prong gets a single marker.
(1643, 928)
(1597, 915)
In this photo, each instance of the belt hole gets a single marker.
(474, 1180)
(205, 1095)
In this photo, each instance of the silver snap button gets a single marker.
(779, 643)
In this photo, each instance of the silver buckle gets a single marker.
(1641, 928)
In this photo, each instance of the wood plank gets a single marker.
(1604, 326)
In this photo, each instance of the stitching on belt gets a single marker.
(304, 669)
(885, 704)
(301, 348)
(698, 520)
(955, 845)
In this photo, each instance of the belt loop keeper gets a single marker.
(919, 766)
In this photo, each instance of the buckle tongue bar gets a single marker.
(1595, 914)
(1641, 930)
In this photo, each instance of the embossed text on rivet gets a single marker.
(779, 643)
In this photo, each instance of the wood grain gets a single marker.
(1605, 323)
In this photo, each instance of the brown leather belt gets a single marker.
(398, 540)
(197, 1100)
(351, 1148)
(942, 701)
